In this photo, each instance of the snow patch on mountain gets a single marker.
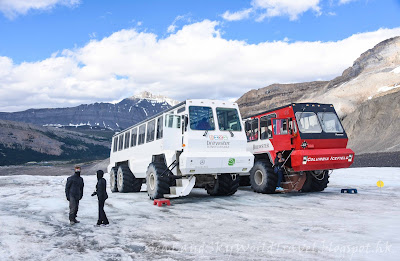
(397, 70)
(153, 98)
(388, 88)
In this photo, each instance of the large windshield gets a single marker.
(228, 119)
(308, 122)
(201, 118)
(330, 122)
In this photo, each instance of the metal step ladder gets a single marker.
(182, 188)
(289, 183)
(292, 182)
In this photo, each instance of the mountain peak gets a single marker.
(159, 98)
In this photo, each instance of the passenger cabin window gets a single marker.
(228, 119)
(134, 137)
(121, 142)
(330, 122)
(173, 121)
(280, 126)
(251, 127)
(266, 126)
(127, 139)
(115, 144)
(201, 118)
(151, 125)
(159, 128)
(308, 122)
(182, 109)
(142, 133)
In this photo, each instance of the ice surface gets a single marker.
(246, 226)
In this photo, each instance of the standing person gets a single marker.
(74, 193)
(279, 160)
(101, 196)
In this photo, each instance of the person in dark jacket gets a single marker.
(279, 160)
(101, 196)
(74, 193)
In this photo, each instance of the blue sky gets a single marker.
(34, 36)
(39, 33)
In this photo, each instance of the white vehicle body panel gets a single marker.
(260, 146)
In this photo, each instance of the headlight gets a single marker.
(350, 157)
(305, 160)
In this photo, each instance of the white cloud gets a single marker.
(13, 8)
(272, 8)
(172, 27)
(341, 2)
(289, 8)
(236, 16)
(194, 62)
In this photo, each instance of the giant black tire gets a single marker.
(263, 179)
(113, 180)
(126, 181)
(316, 182)
(224, 185)
(157, 183)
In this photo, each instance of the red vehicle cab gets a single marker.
(311, 139)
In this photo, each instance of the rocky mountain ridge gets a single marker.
(24, 142)
(374, 73)
(103, 116)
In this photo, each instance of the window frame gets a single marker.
(115, 144)
(257, 128)
(269, 118)
(134, 132)
(299, 124)
(238, 117)
(152, 135)
(181, 109)
(274, 120)
(127, 139)
(167, 121)
(120, 142)
(212, 113)
(323, 125)
(144, 134)
(160, 127)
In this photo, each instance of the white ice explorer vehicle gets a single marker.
(197, 143)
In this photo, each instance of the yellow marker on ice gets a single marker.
(380, 183)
